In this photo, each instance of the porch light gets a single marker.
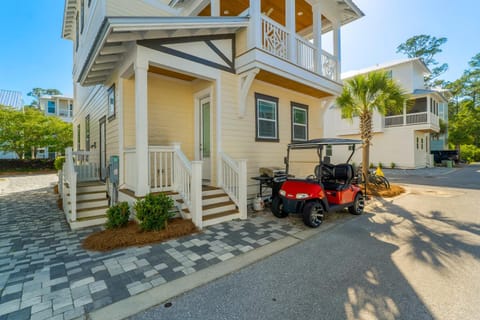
(300, 13)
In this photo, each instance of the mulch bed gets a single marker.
(132, 235)
(380, 191)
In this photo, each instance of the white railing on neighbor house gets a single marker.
(87, 169)
(69, 187)
(412, 119)
(234, 182)
(275, 40)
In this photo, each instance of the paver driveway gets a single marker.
(45, 274)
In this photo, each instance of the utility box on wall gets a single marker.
(114, 170)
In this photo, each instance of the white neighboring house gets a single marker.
(55, 106)
(402, 139)
(10, 98)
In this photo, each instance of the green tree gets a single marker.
(11, 131)
(361, 96)
(36, 93)
(426, 47)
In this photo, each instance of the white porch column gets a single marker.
(404, 113)
(255, 27)
(429, 110)
(215, 8)
(337, 52)
(141, 128)
(291, 27)
(317, 36)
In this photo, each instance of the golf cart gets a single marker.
(331, 188)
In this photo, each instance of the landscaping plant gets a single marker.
(153, 212)
(59, 161)
(392, 165)
(118, 215)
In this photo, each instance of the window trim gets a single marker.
(303, 107)
(111, 108)
(79, 137)
(54, 107)
(263, 97)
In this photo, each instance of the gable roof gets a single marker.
(390, 64)
(11, 98)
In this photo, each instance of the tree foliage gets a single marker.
(21, 132)
(425, 47)
(362, 95)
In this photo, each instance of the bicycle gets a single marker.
(373, 178)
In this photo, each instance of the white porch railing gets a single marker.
(234, 182)
(87, 169)
(161, 168)
(414, 118)
(275, 40)
(391, 121)
(69, 188)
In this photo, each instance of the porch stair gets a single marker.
(217, 207)
(92, 204)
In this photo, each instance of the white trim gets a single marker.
(218, 131)
(120, 130)
(198, 96)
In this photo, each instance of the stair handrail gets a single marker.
(69, 189)
(234, 181)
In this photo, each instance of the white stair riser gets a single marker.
(206, 202)
(88, 223)
(230, 217)
(92, 204)
(91, 196)
(91, 188)
(219, 209)
(91, 213)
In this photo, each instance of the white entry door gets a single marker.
(205, 137)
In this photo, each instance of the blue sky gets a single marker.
(33, 54)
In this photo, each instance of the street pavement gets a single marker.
(416, 256)
(46, 274)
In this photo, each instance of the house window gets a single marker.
(266, 118)
(70, 108)
(78, 137)
(77, 32)
(51, 107)
(87, 133)
(299, 122)
(82, 15)
(422, 144)
(389, 74)
(417, 143)
(329, 151)
(111, 103)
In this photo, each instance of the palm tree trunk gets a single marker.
(366, 135)
(366, 160)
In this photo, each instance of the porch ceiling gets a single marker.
(290, 84)
(116, 34)
(170, 73)
(275, 9)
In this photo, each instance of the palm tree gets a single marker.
(361, 96)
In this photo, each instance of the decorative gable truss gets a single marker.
(216, 51)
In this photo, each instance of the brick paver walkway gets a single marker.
(45, 274)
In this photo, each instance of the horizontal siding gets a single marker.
(238, 134)
(120, 8)
(129, 113)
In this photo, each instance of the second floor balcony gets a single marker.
(423, 112)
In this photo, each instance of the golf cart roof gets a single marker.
(315, 143)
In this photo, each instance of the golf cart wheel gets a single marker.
(277, 208)
(358, 205)
(313, 214)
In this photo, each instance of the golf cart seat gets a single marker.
(342, 177)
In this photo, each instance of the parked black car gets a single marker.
(440, 155)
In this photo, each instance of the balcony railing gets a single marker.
(412, 119)
(275, 40)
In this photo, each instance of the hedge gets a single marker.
(25, 164)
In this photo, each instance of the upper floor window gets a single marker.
(389, 74)
(78, 137)
(87, 133)
(51, 107)
(111, 102)
(82, 15)
(299, 122)
(266, 116)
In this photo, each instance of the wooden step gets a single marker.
(91, 212)
(215, 198)
(92, 203)
(88, 222)
(220, 215)
(91, 195)
(84, 188)
(218, 207)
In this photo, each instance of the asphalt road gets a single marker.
(416, 257)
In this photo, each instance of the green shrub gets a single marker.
(380, 165)
(58, 164)
(393, 165)
(469, 153)
(118, 215)
(371, 165)
(153, 212)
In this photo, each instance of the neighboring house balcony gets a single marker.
(421, 113)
